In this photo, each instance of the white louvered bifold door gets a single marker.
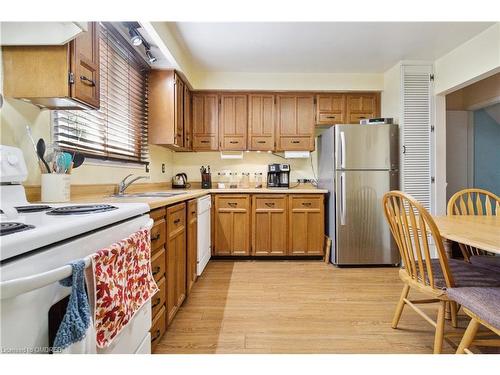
(416, 132)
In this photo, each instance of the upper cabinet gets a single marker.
(169, 115)
(233, 122)
(295, 122)
(205, 121)
(261, 116)
(55, 77)
(362, 106)
(330, 109)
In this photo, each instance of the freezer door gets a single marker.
(366, 147)
(362, 235)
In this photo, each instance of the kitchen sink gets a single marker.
(155, 194)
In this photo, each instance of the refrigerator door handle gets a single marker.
(342, 150)
(342, 199)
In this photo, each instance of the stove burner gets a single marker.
(31, 208)
(81, 210)
(10, 228)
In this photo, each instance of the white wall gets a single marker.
(391, 96)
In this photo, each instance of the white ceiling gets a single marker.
(317, 47)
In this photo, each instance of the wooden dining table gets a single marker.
(482, 232)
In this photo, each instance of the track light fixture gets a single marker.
(150, 56)
(135, 37)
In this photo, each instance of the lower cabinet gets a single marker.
(232, 224)
(307, 224)
(176, 258)
(269, 224)
(192, 244)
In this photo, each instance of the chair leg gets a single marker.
(454, 311)
(469, 335)
(438, 338)
(400, 306)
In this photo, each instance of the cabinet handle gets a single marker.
(232, 204)
(193, 212)
(261, 141)
(156, 236)
(177, 221)
(233, 142)
(295, 141)
(157, 302)
(88, 81)
(361, 117)
(306, 203)
(331, 116)
(156, 270)
(156, 336)
(270, 204)
(204, 141)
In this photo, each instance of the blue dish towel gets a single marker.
(76, 323)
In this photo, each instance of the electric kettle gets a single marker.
(179, 181)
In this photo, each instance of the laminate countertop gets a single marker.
(187, 194)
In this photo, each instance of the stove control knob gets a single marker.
(12, 159)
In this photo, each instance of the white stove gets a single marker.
(36, 240)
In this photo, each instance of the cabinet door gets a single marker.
(261, 119)
(233, 122)
(205, 122)
(179, 112)
(330, 109)
(180, 282)
(269, 223)
(192, 244)
(232, 224)
(295, 122)
(362, 106)
(84, 62)
(171, 270)
(306, 232)
(188, 124)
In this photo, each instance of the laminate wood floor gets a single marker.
(297, 307)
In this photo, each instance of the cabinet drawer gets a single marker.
(305, 202)
(192, 208)
(158, 214)
(176, 217)
(158, 234)
(202, 142)
(330, 118)
(296, 143)
(158, 327)
(262, 144)
(355, 117)
(158, 264)
(234, 143)
(158, 300)
(270, 203)
(235, 202)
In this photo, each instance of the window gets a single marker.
(118, 130)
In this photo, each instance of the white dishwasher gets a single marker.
(204, 244)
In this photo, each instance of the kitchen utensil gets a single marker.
(179, 181)
(78, 160)
(30, 136)
(40, 150)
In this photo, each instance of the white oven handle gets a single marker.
(16, 287)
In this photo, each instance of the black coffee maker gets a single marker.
(278, 176)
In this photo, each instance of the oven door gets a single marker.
(24, 319)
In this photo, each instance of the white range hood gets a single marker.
(39, 33)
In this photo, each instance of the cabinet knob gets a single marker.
(156, 270)
(156, 303)
(177, 221)
(156, 236)
(156, 335)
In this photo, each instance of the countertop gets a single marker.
(157, 202)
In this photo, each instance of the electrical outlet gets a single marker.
(303, 180)
(147, 167)
(162, 167)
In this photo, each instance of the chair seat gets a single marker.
(484, 302)
(465, 275)
(486, 261)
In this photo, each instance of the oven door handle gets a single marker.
(15, 287)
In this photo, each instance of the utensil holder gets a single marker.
(56, 187)
(206, 180)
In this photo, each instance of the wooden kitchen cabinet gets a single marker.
(295, 122)
(330, 109)
(176, 258)
(232, 224)
(192, 244)
(269, 224)
(169, 117)
(362, 106)
(205, 118)
(233, 122)
(261, 118)
(55, 77)
(306, 224)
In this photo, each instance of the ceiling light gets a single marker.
(150, 56)
(135, 37)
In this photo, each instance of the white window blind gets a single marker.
(416, 137)
(118, 130)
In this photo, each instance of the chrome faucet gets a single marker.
(123, 184)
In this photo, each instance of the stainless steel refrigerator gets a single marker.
(358, 164)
